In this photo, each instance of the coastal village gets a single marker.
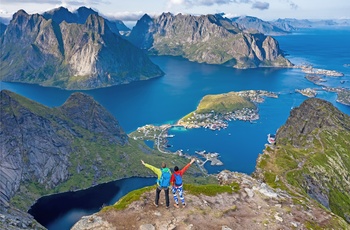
(216, 121)
(212, 120)
(159, 135)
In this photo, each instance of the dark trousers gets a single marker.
(166, 191)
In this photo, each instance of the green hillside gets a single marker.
(312, 156)
(223, 103)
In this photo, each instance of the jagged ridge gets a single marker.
(207, 38)
(70, 55)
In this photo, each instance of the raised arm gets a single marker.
(154, 169)
(182, 171)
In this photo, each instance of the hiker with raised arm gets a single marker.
(177, 185)
(163, 181)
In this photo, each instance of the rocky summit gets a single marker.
(208, 39)
(70, 55)
(237, 202)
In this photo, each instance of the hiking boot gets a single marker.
(176, 205)
(155, 204)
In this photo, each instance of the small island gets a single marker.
(330, 73)
(317, 80)
(214, 111)
(308, 92)
(343, 95)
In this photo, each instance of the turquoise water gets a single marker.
(167, 99)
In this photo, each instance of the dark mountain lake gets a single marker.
(62, 211)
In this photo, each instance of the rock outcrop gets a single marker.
(70, 55)
(210, 39)
(254, 205)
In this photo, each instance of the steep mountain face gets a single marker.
(255, 24)
(312, 154)
(69, 55)
(38, 143)
(208, 38)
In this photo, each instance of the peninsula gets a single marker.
(214, 111)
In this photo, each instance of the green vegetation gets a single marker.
(208, 190)
(211, 189)
(129, 198)
(223, 103)
(326, 163)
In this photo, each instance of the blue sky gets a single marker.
(131, 10)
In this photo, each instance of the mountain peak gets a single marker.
(96, 23)
(21, 12)
(313, 115)
(85, 111)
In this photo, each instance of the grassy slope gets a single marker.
(223, 103)
(208, 190)
(327, 163)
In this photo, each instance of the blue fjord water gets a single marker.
(167, 99)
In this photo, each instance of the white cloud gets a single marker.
(176, 2)
(127, 16)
